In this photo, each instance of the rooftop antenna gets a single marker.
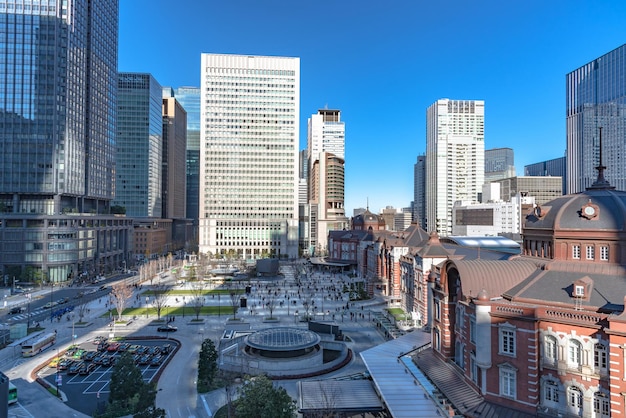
(601, 182)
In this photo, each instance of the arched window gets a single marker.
(459, 354)
(601, 405)
(574, 351)
(575, 400)
(437, 339)
(551, 392)
(550, 350)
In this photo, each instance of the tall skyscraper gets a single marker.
(58, 114)
(326, 157)
(174, 157)
(249, 143)
(499, 164)
(595, 100)
(139, 145)
(189, 97)
(455, 158)
(419, 191)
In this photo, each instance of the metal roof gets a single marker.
(402, 392)
(353, 396)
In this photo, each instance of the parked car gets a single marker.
(123, 347)
(108, 361)
(54, 362)
(133, 348)
(167, 328)
(100, 359)
(87, 368)
(99, 339)
(152, 350)
(142, 349)
(145, 359)
(113, 347)
(78, 353)
(102, 347)
(75, 368)
(165, 349)
(65, 364)
(156, 360)
(89, 355)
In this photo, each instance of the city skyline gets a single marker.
(384, 67)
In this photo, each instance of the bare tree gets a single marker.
(308, 302)
(121, 292)
(82, 308)
(271, 301)
(234, 300)
(197, 297)
(160, 291)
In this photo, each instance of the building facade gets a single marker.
(58, 111)
(139, 145)
(555, 167)
(499, 164)
(455, 152)
(174, 160)
(419, 191)
(189, 98)
(595, 100)
(249, 143)
(543, 189)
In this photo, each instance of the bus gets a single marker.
(37, 344)
(12, 393)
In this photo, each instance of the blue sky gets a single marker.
(383, 63)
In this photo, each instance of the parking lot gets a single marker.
(83, 375)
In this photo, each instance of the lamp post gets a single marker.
(184, 306)
(51, 297)
(147, 300)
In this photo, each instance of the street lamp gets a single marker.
(184, 306)
(147, 300)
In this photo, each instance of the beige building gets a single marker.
(174, 157)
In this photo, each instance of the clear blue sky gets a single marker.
(383, 63)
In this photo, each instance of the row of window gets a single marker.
(590, 252)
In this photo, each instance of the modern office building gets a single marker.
(455, 152)
(249, 144)
(542, 188)
(499, 164)
(595, 102)
(419, 190)
(555, 167)
(174, 159)
(189, 98)
(57, 140)
(326, 165)
(139, 145)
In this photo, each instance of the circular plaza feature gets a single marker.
(282, 342)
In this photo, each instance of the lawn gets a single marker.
(398, 314)
(169, 311)
(204, 292)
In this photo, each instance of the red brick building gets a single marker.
(544, 333)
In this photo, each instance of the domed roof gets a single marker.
(593, 209)
(368, 218)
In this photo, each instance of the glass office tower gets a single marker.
(596, 101)
(249, 156)
(58, 108)
(189, 98)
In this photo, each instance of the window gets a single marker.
(575, 399)
(507, 341)
(601, 405)
(551, 391)
(576, 252)
(437, 310)
(604, 253)
(579, 290)
(472, 330)
(599, 356)
(507, 381)
(459, 354)
(473, 368)
(590, 252)
(574, 350)
(550, 346)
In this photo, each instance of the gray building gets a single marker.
(419, 190)
(189, 98)
(554, 167)
(58, 113)
(543, 189)
(499, 164)
(139, 145)
(595, 101)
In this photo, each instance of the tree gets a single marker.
(207, 365)
(271, 301)
(197, 297)
(121, 292)
(258, 398)
(160, 291)
(82, 308)
(118, 210)
(234, 300)
(126, 381)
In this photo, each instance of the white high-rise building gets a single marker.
(249, 143)
(455, 158)
(326, 163)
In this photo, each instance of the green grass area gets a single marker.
(204, 292)
(398, 314)
(169, 311)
